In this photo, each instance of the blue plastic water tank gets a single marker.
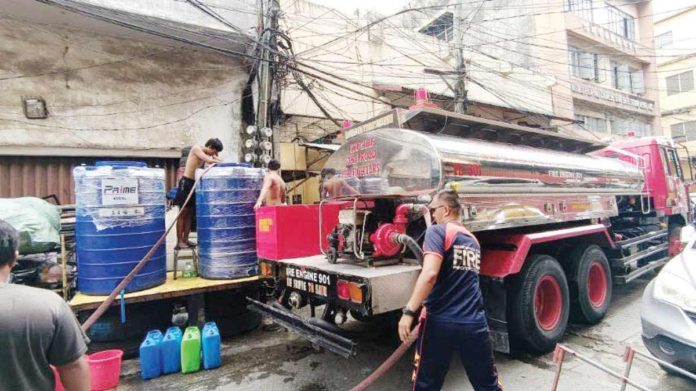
(226, 221)
(119, 216)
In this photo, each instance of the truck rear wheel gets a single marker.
(538, 303)
(589, 280)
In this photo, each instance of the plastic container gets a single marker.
(189, 270)
(150, 358)
(119, 216)
(156, 335)
(225, 221)
(191, 350)
(171, 351)
(105, 369)
(211, 346)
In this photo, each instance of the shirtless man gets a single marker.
(273, 190)
(196, 158)
(333, 186)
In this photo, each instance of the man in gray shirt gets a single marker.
(37, 328)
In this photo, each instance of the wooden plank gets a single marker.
(171, 288)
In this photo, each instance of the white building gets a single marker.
(374, 64)
(674, 38)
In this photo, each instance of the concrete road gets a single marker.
(280, 360)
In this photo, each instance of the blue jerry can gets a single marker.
(211, 346)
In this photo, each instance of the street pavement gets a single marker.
(280, 360)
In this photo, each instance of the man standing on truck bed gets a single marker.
(197, 156)
(273, 190)
(454, 318)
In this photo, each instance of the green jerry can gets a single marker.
(191, 350)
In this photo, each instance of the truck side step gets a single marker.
(641, 239)
(318, 336)
(626, 278)
(634, 258)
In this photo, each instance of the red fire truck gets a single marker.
(560, 220)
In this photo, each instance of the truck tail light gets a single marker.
(266, 270)
(349, 291)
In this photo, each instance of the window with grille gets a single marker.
(623, 127)
(584, 65)
(621, 76)
(620, 22)
(682, 82)
(582, 8)
(664, 40)
(684, 131)
(593, 123)
(441, 28)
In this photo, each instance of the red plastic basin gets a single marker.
(105, 369)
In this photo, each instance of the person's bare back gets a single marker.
(276, 191)
(335, 186)
(273, 190)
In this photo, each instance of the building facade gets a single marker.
(601, 54)
(674, 38)
(106, 80)
(611, 65)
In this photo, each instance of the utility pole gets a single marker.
(460, 99)
(268, 40)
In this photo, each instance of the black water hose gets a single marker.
(411, 244)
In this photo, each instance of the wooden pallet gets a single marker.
(171, 288)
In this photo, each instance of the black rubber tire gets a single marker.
(523, 325)
(577, 269)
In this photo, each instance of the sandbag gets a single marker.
(36, 220)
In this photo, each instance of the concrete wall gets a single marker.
(236, 12)
(110, 95)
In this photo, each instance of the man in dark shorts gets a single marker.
(196, 158)
(454, 319)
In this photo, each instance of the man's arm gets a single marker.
(264, 190)
(324, 193)
(68, 348)
(75, 376)
(201, 155)
(425, 283)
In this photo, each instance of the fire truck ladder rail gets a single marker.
(625, 279)
(318, 336)
(633, 259)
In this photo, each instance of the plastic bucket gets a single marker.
(105, 369)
